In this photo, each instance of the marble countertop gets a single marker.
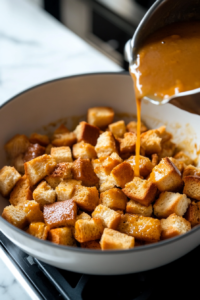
(35, 48)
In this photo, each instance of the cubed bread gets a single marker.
(107, 185)
(32, 211)
(38, 168)
(174, 225)
(178, 163)
(193, 213)
(8, 178)
(17, 145)
(136, 208)
(60, 214)
(44, 194)
(33, 151)
(114, 199)
(18, 163)
(64, 139)
(166, 176)
(154, 159)
(165, 135)
(122, 174)
(41, 139)
(168, 149)
(94, 245)
(61, 154)
(39, 230)
(190, 170)
(118, 129)
(88, 230)
(151, 141)
(113, 240)
(110, 162)
(109, 217)
(142, 228)
(192, 186)
(105, 144)
(145, 165)
(87, 198)
(21, 192)
(83, 216)
(61, 129)
(84, 150)
(128, 143)
(141, 190)
(15, 216)
(100, 116)
(82, 169)
(169, 203)
(66, 189)
(62, 172)
(87, 133)
(132, 127)
(184, 158)
(62, 236)
(48, 149)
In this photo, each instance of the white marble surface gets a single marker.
(35, 48)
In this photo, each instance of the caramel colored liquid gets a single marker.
(137, 152)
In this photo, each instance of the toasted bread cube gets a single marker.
(109, 217)
(141, 190)
(136, 208)
(169, 203)
(107, 185)
(48, 149)
(104, 165)
(168, 149)
(128, 143)
(88, 230)
(33, 151)
(132, 127)
(105, 144)
(142, 228)
(118, 128)
(64, 139)
(61, 129)
(191, 170)
(60, 214)
(122, 174)
(66, 189)
(166, 176)
(62, 172)
(113, 240)
(154, 159)
(32, 211)
(16, 216)
(62, 236)
(114, 199)
(87, 133)
(38, 168)
(151, 141)
(18, 163)
(39, 230)
(174, 225)
(61, 154)
(100, 116)
(184, 158)
(17, 145)
(179, 164)
(83, 216)
(87, 198)
(44, 194)
(84, 150)
(145, 165)
(193, 213)
(192, 186)
(37, 138)
(165, 135)
(21, 192)
(82, 169)
(94, 245)
(8, 178)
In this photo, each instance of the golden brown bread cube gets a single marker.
(62, 236)
(192, 186)
(83, 216)
(122, 174)
(60, 214)
(113, 240)
(105, 144)
(32, 211)
(88, 230)
(8, 178)
(64, 139)
(128, 143)
(169, 203)
(165, 135)
(44, 194)
(141, 228)
(109, 217)
(168, 149)
(33, 151)
(38, 168)
(61, 129)
(132, 127)
(154, 159)
(136, 208)
(141, 190)
(114, 199)
(61, 154)
(184, 158)
(84, 150)
(87, 133)
(66, 189)
(193, 213)
(151, 141)
(191, 170)
(118, 129)
(87, 198)
(145, 165)
(39, 230)
(174, 225)
(166, 176)
(17, 145)
(18, 163)
(94, 245)
(82, 169)
(179, 164)
(100, 116)
(62, 172)
(41, 139)
(110, 162)
(15, 216)
(21, 192)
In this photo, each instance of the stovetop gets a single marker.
(176, 280)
